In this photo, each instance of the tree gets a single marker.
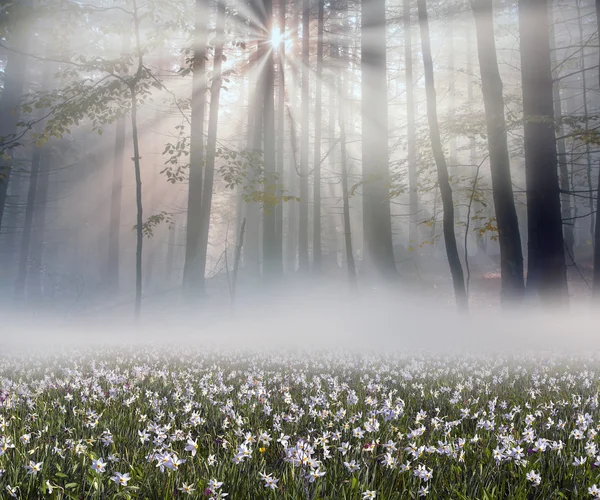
(10, 99)
(596, 278)
(377, 224)
(304, 143)
(39, 160)
(546, 273)
(342, 84)
(456, 270)
(272, 258)
(317, 151)
(511, 257)
(211, 142)
(193, 271)
(411, 157)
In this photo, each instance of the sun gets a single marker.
(276, 37)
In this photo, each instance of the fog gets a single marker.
(373, 320)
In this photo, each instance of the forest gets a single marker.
(299, 249)
(189, 149)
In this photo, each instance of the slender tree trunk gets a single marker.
(442, 169)
(317, 152)
(193, 272)
(211, 143)
(546, 255)
(14, 82)
(377, 224)
(597, 229)
(304, 143)
(342, 84)
(33, 278)
(139, 209)
(511, 257)
(114, 230)
(137, 167)
(586, 125)
(272, 259)
(411, 158)
(24, 256)
(280, 134)
(563, 167)
(251, 250)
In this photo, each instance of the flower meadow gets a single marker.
(162, 423)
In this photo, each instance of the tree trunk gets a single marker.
(546, 255)
(211, 142)
(597, 229)
(14, 82)
(342, 84)
(304, 143)
(280, 134)
(317, 152)
(377, 225)
(509, 238)
(442, 169)
(411, 158)
(114, 230)
(136, 162)
(272, 263)
(563, 167)
(193, 272)
(586, 125)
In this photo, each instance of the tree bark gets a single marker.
(272, 259)
(596, 278)
(546, 274)
(10, 99)
(193, 272)
(377, 224)
(211, 142)
(442, 169)
(317, 152)
(509, 238)
(303, 265)
(280, 133)
(39, 157)
(411, 157)
(563, 167)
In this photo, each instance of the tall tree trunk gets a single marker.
(586, 125)
(251, 250)
(193, 272)
(511, 257)
(280, 133)
(317, 152)
(33, 278)
(24, 255)
(597, 229)
(137, 167)
(563, 167)
(304, 143)
(14, 82)
(442, 169)
(39, 156)
(272, 263)
(546, 254)
(114, 230)
(411, 158)
(377, 223)
(342, 84)
(211, 142)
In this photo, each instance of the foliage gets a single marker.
(155, 220)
